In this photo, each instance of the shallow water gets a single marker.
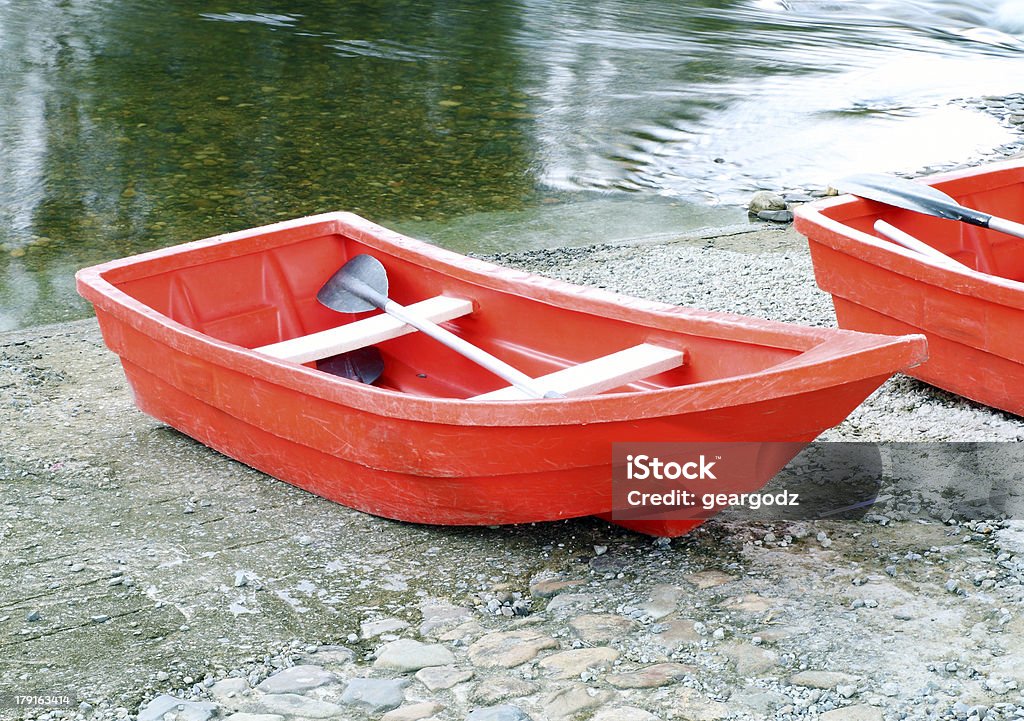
(127, 125)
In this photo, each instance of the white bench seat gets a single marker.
(367, 331)
(600, 374)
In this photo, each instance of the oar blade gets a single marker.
(365, 365)
(335, 293)
(902, 193)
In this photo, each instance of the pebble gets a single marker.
(765, 201)
(406, 655)
(33, 616)
(375, 695)
(776, 216)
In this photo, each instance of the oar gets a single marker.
(362, 284)
(910, 242)
(911, 195)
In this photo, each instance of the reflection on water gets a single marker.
(127, 125)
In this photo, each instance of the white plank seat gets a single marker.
(365, 332)
(601, 374)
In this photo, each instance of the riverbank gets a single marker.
(138, 567)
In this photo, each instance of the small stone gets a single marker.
(660, 674)
(100, 618)
(297, 679)
(507, 649)
(778, 216)
(574, 699)
(372, 629)
(33, 616)
(846, 690)
(293, 704)
(413, 712)
(438, 678)
(498, 713)
(601, 628)
(375, 695)
(853, 713)
(405, 655)
(765, 200)
(570, 664)
(162, 675)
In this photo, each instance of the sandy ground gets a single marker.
(136, 562)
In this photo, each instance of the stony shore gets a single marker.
(144, 576)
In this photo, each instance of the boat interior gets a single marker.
(262, 296)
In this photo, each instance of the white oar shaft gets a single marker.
(1006, 226)
(477, 355)
(910, 242)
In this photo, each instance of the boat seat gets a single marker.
(361, 333)
(600, 374)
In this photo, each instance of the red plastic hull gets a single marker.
(183, 321)
(972, 320)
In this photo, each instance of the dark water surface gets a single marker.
(127, 125)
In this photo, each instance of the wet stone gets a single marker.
(776, 216)
(296, 680)
(375, 695)
(507, 649)
(438, 678)
(405, 655)
(660, 674)
(601, 628)
(570, 664)
(498, 713)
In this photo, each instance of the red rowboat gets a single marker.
(972, 316)
(219, 338)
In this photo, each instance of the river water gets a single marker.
(482, 125)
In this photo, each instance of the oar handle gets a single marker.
(463, 347)
(1006, 226)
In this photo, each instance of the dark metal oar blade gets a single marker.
(336, 293)
(363, 364)
(909, 195)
